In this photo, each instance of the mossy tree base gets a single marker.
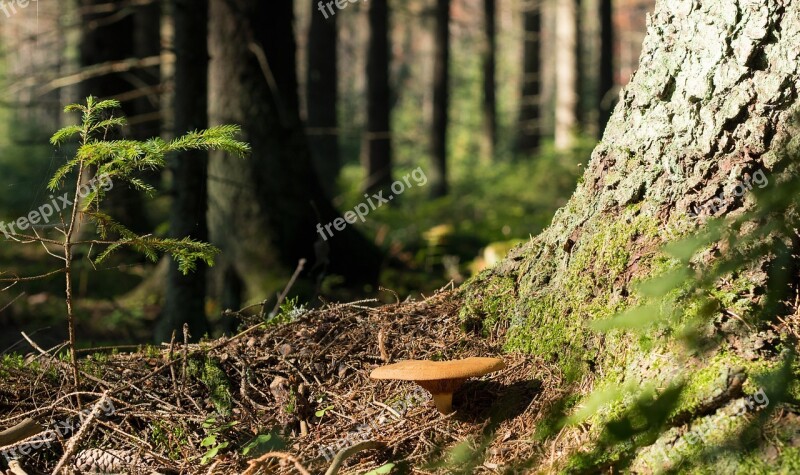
(710, 104)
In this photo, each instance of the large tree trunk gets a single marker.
(530, 105)
(489, 81)
(266, 211)
(567, 73)
(441, 99)
(714, 94)
(322, 98)
(377, 146)
(186, 294)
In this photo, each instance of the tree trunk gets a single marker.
(186, 294)
(606, 84)
(108, 37)
(377, 148)
(715, 92)
(529, 122)
(489, 81)
(322, 98)
(441, 99)
(567, 73)
(268, 211)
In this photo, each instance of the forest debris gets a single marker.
(255, 465)
(323, 341)
(344, 454)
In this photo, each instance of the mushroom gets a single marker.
(440, 378)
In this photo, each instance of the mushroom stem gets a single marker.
(444, 402)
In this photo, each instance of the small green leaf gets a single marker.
(213, 453)
(255, 443)
(209, 441)
(383, 469)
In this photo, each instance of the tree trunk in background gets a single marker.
(713, 100)
(606, 84)
(441, 100)
(146, 119)
(567, 73)
(377, 148)
(547, 66)
(529, 120)
(265, 209)
(489, 80)
(322, 98)
(107, 36)
(186, 294)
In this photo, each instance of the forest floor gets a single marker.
(292, 395)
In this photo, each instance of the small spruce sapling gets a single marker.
(117, 161)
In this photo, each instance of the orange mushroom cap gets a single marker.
(440, 378)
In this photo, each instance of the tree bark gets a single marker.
(441, 100)
(377, 148)
(606, 83)
(712, 101)
(529, 121)
(489, 80)
(186, 294)
(266, 211)
(567, 73)
(322, 98)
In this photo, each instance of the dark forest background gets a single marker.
(498, 104)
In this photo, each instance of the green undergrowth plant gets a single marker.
(98, 165)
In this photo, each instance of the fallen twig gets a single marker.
(72, 446)
(25, 429)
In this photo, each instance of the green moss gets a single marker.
(488, 299)
(551, 321)
(210, 373)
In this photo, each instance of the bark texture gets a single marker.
(715, 92)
